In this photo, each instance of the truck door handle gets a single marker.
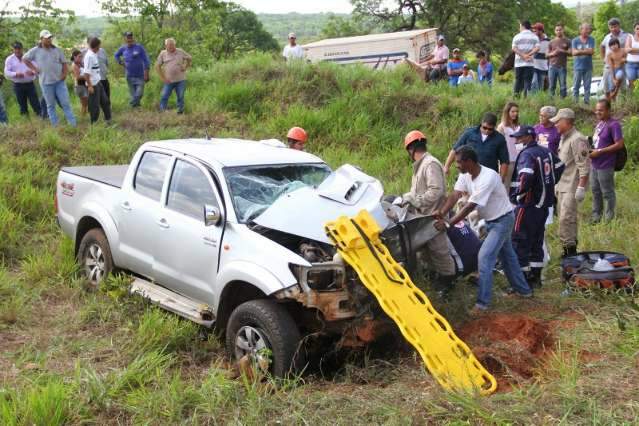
(210, 241)
(125, 206)
(162, 223)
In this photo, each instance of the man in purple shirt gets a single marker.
(607, 141)
(547, 134)
(23, 80)
(136, 65)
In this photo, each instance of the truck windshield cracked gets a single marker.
(255, 188)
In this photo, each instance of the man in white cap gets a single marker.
(433, 66)
(293, 50)
(571, 188)
(52, 69)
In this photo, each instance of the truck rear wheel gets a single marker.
(263, 332)
(94, 256)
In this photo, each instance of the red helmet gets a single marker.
(298, 134)
(412, 136)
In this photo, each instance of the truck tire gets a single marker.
(94, 256)
(265, 332)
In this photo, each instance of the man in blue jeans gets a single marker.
(52, 69)
(136, 66)
(171, 66)
(488, 195)
(558, 51)
(583, 47)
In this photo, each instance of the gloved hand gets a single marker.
(580, 194)
(398, 201)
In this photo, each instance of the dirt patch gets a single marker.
(510, 346)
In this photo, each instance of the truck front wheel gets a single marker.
(94, 256)
(264, 333)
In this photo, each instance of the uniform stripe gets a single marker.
(520, 216)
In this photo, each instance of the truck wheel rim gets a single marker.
(94, 264)
(252, 342)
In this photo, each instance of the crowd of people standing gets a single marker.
(89, 69)
(539, 60)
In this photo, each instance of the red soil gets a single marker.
(510, 346)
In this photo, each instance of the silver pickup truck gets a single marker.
(230, 233)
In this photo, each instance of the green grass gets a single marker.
(70, 355)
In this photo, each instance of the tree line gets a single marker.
(471, 24)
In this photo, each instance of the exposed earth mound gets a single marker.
(510, 346)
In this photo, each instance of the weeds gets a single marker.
(71, 355)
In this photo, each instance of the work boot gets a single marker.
(534, 278)
(570, 251)
(444, 285)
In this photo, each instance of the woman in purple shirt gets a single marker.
(547, 134)
(607, 140)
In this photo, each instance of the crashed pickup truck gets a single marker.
(230, 233)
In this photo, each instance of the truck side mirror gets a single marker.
(212, 215)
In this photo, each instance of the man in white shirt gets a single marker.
(433, 66)
(97, 95)
(293, 50)
(488, 195)
(525, 45)
(23, 80)
(614, 25)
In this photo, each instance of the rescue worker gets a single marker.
(488, 195)
(571, 188)
(533, 193)
(426, 195)
(297, 137)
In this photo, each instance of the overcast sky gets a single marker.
(91, 7)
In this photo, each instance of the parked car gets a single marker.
(230, 233)
(596, 87)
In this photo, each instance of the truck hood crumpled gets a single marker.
(304, 212)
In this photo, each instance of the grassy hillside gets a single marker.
(71, 356)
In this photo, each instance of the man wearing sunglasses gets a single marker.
(489, 145)
(293, 50)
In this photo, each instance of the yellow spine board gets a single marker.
(446, 356)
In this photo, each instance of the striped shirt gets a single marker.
(524, 42)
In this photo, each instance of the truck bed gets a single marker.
(109, 175)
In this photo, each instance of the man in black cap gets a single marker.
(532, 191)
(136, 64)
(23, 79)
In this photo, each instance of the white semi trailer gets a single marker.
(377, 51)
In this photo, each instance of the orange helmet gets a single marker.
(298, 134)
(413, 136)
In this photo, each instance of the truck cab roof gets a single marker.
(235, 152)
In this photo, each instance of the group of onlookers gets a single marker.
(89, 68)
(538, 58)
(541, 63)
(439, 65)
(514, 177)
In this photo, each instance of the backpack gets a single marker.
(621, 158)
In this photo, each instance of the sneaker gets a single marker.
(477, 310)
(511, 292)
(595, 220)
